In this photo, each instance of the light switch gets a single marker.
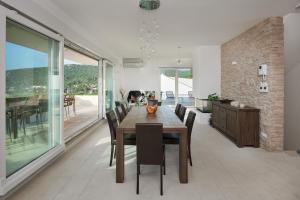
(263, 70)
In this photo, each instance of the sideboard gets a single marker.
(241, 125)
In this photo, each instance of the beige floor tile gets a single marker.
(221, 171)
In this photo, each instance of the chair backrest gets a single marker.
(182, 113)
(124, 110)
(170, 94)
(118, 103)
(149, 142)
(120, 113)
(189, 123)
(112, 123)
(177, 109)
(152, 102)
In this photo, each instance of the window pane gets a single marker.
(81, 75)
(109, 87)
(185, 87)
(167, 86)
(32, 95)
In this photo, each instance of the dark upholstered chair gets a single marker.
(124, 110)
(118, 103)
(181, 114)
(150, 149)
(177, 109)
(129, 139)
(125, 103)
(120, 113)
(173, 138)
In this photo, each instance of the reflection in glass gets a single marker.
(32, 95)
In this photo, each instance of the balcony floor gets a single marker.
(221, 171)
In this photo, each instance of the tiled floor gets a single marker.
(221, 171)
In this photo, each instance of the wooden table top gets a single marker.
(163, 115)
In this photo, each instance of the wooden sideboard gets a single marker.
(241, 125)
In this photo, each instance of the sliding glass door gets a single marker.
(185, 87)
(168, 86)
(109, 87)
(32, 114)
(177, 86)
(81, 92)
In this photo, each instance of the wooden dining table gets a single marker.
(171, 124)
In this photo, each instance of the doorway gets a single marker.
(176, 86)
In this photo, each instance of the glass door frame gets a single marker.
(8, 183)
(100, 83)
(104, 66)
(176, 79)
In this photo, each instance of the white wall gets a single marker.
(206, 71)
(148, 77)
(292, 81)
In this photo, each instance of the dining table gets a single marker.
(171, 124)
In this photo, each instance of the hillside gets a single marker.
(79, 79)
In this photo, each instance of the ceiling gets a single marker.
(187, 23)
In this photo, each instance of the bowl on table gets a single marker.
(151, 109)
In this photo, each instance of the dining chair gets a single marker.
(173, 138)
(127, 106)
(129, 139)
(181, 114)
(150, 149)
(120, 113)
(124, 110)
(177, 109)
(118, 103)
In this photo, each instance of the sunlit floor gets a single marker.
(220, 171)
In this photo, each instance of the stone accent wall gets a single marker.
(262, 44)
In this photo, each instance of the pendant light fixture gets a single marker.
(149, 4)
(149, 31)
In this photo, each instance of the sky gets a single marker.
(21, 57)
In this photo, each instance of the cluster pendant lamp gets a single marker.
(149, 30)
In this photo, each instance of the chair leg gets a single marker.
(137, 179)
(161, 180)
(190, 156)
(111, 154)
(115, 153)
(164, 149)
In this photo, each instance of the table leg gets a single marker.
(183, 162)
(120, 156)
